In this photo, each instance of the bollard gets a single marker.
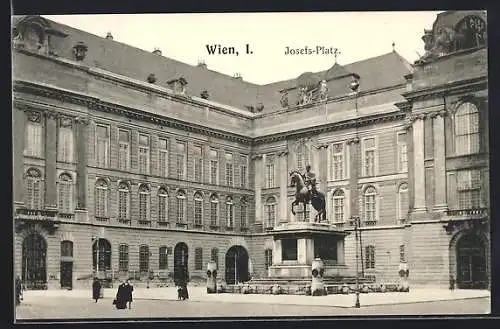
(317, 286)
(211, 277)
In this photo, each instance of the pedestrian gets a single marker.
(121, 297)
(185, 293)
(96, 289)
(19, 290)
(129, 289)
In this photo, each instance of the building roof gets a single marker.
(114, 56)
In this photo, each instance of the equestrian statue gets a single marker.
(306, 192)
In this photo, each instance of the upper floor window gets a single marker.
(270, 172)
(65, 193)
(181, 160)
(369, 154)
(229, 212)
(469, 189)
(338, 159)
(34, 189)
(123, 202)
(243, 171)
(302, 155)
(198, 163)
(162, 205)
(370, 207)
(402, 153)
(144, 154)
(214, 167)
(65, 141)
(243, 213)
(163, 157)
(181, 207)
(198, 209)
(270, 211)
(466, 129)
(370, 257)
(214, 204)
(229, 169)
(101, 198)
(34, 135)
(403, 202)
(123, 150)
(102, 146)
(143, 202)
(338, 206)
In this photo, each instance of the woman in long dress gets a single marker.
(121, 297)
(96, 289)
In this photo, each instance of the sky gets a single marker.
(184, 37)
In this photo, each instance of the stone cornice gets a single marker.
(452, 88)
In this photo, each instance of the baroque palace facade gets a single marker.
(131, 164)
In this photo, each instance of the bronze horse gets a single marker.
(303, 195)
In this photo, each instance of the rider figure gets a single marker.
(310, 181)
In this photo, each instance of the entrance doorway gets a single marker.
(181, 273)
(67, 275)
(471, 263)
(237, 265)
(34, 261)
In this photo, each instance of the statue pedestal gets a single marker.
(297, 244)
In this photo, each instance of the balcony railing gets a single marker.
(36, 214)
(101, 219)
(181, 225)
(474, 212)
(144, 222)
(163, 223)
(370, 222)
(66, 216)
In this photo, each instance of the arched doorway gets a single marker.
(181, 273)
(34, 261)
(101, 249)
(236, 265)
(471, 263)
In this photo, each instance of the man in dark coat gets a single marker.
(121, 297)
(96, 289)
(129, 288)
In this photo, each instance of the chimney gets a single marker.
(157, 52)
(109, 36)
(237, 76)
(202, 64)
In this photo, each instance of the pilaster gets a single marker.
(259, 171)
(18, 152)
(81, 165)
(418, 163)
(354, 167)
(283, 181)
(440, 202)
(50, 160)
(340, 252)
(323, 167)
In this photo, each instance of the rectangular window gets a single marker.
(198, 163)
(369, 156)
(123, 150)
(229, 169)
(243, 170)
(402, 153)
(162, 207)
(213, 213)
(214, 167)
(229, 215)
(270, 173)
(198, 206)
(144, 260)
(268, 258)
(271, 214)
(163, 157)
(180, 210)
(123, 258)
(123, 204)
(162, 258)
(34, 136)
(102, 146)
(144, 154)
(65, 197)
(66, 249)
(181, 160)
(338, 161)
(143, 206)
(198, 259)
(65, 144)
(469, 189)
(370, 257)
(243, 209)
(338, 207)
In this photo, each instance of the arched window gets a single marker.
(101, 249)
(229, 212)
(34, 188)
(65, 194)
(198, 208)
(123, 258)
(143, 259)
(473, 30)
(402, 202)
(338, 206)
(270, 212)
(243, 213)
(162, 205)
(163, 258)
(214, 211)
(143, 203)
(181, 207)
(466, 129)
(370, 207)
(123, 202)
(214, 255)
(101, 199)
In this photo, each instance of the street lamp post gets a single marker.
(355, 221)
(94, 238)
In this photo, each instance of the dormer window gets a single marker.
(34, 33)
(178, 85)
(471, 32)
